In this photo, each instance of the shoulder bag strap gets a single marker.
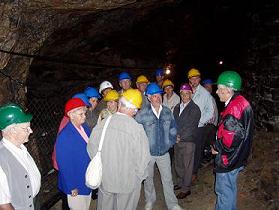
(103, 133)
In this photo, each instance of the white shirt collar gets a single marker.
(227, 102)
(154, 111)
(184, 104)
(182, 107)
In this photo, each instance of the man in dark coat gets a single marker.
(187, 115)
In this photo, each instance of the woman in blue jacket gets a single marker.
(72, 157)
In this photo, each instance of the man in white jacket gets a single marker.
(20, 179)
(203, 99)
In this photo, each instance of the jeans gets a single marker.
(164, 165)
(226, 190)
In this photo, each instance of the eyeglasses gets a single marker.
(26, 129)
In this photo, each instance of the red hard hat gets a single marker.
(72, 104)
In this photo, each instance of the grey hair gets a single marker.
(230, 89)
(8, 128)
(124, 102)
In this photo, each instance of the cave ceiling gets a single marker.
(94, 40)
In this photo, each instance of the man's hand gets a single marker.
(74, 192)
(213, 151)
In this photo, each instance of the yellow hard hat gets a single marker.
(142, 79)
(193, 73)
(133, 96)
(112, 95)
(166, 83)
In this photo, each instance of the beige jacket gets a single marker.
(125, 153)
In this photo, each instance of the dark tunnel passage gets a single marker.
(139, 41)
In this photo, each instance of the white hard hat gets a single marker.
(105, 85)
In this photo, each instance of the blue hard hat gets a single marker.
(91, 92)
(159, 72)
(152, 89)
(124, 75)
(207, 81)
(83, 97)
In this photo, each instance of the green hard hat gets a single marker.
(230, 79)
(12, 113)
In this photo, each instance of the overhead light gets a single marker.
(168, 68)
(168, 71)
(220, 62)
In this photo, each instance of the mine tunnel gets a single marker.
(50, 50)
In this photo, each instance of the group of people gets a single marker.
(148, 125)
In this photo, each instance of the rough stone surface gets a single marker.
(73, 37)
(263, 65)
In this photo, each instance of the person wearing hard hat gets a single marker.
(141, 84)
(159, 75)
(65, 119)
(20, 179)
(111, 98)
(204, 100)
(72, 157)
(125, 155)
(187, 115)
(64, 122)
(160, 128)
(207, 84)
(125, 81)
(170, 98)
(234, 139)
(104, 88)
(92, 113)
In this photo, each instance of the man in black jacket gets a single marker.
(234, 139)
(187, 115)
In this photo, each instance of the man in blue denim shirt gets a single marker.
(160, 128)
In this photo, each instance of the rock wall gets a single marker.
(25, 25)
(263, 66)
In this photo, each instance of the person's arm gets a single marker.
(5, 200)
(142, 153)
(173, 131)
(6, 206)
(234, 136)
(207, 109)
(66, 158)
(93, 143)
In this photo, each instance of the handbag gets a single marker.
(93, 175)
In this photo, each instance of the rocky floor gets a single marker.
(258, 184)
